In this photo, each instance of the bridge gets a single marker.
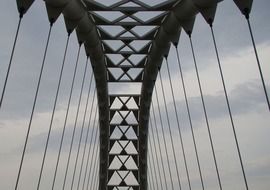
(129, 95)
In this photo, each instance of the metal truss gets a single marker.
(126, 29)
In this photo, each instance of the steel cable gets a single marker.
(91, 150)
(82, 130)
(204, 110)
(229, 107)
(11, 58)
(258, 61)
(95, 152)
(66, 116)
(159, 145)
(151, 178)
(155, 151)
(170, 130)
(178, 122)
(150, 168)
(86, 139)
(196, 68)
(164, 140)
(34, 106)
(95, 175)
(53, 112)
(154, 164)
(75, 124)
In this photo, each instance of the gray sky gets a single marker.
(241, 73)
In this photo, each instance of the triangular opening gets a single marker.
(131, 179)
(115, 164)
(130, 134)
(115, 58)
(143, 30)
(126, 48)
(116, 119)
(124, 113)
(130, 4)
(136, 58)
(108, 15)
(127, 35)
(128, 19)
(116, 134)
(114, 44)
(111, 30)
(125, 77)
(115, 179)
(139, 44)
(122, 188)
(131, 119)
(130, 149)
(126, 63)
(134, 72)
(130, 164)
(124, 98)
(124, 128)
(117, 104)
(123, 174)
(116, 72)
(131, 104)
(148, 15)
(123, 158)
(123, 143)
(116, 148)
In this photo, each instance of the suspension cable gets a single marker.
(34, 106)
(11, 58)
(86, 139)
(149, 181)
(75, 124)
(229, 107)
(154, 164)
(155, 151)
(159, 145)
(204, 110)
(82, 130)
(195, 63)
(91, 149)
(66, 116)
(169, 127)
(53, 112)
(178, 122)
(151, 168)
(257, 59)
(95, 171)
(163, 136)
(96, 185)
(95, 150)
(96, 177)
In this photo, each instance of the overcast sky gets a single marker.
(244, 86)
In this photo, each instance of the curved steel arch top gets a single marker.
(127, 30)
(126, 41)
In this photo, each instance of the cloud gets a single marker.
(37, 142)
(244, 99)
(245, 92)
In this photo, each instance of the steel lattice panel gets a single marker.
(123, 144)
(126, 30)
